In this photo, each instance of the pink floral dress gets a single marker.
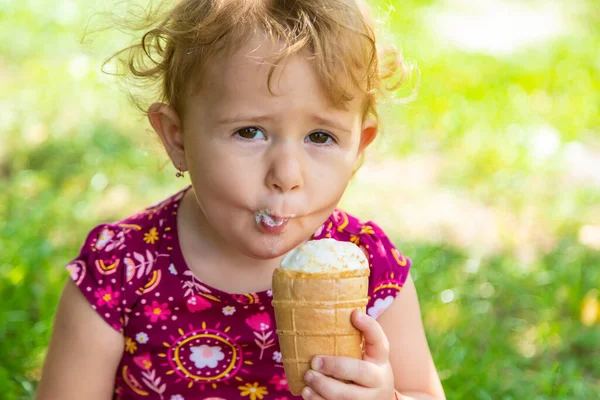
(185, 340)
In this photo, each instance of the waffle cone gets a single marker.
(312, 312)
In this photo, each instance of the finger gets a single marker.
(332, 389)
(309, 394)
(361, 372)
(377, 346)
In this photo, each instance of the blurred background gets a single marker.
(489, 181)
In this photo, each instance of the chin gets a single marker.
(267, 252)
(270, 247)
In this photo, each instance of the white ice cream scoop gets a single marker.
(325, 255)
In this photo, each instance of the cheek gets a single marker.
(217, 171)
(334, 170)
(223, 179)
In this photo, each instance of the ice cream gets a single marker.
(315, 290)
(325, 256)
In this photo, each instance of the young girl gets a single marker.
(268, 105)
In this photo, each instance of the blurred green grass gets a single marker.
(74, 153)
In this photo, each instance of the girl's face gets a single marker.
(267, 168)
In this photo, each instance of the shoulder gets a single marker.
(367, 235)
(118, 258)
(137, 230)
(389, 267)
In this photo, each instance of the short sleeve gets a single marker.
(389, 269)
(105, 275)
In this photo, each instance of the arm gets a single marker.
(415, 376)
(83, 354)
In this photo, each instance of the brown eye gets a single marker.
(320, 137)
(251, 132)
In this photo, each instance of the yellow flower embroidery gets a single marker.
(151, 236)
(366, 229)
(354, 239)
(253, 390)
(130, 345)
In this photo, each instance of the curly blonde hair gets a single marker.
(337, 36)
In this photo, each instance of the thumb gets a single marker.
(377, 346)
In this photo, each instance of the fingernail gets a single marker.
(317, 363)
(306, 393)
(309, 376)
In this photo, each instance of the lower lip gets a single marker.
(273, 228)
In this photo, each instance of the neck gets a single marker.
(203, 247)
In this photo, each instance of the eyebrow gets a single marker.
(330, 123)
(319, 120)
(245, 118)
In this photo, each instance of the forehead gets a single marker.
(252, 74)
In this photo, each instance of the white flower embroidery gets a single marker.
(172, 269)
(73, 270)
(319, 230)
(130, 270)
(228, 310)
(177, 397)
(104, 238)
(270, 293)
(380, 306)
(206, 356)
(141, 338)
(277, 356)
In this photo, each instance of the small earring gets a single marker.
(180, 173)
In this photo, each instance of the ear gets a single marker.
(370, 128)
(167, 124)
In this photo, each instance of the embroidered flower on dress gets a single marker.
(280, 382)
(130, 345)
(104, 238)
(206, 356)
(277, 356)
(380, 306)
(143, 361)
(151, 236)
(259, 322)
(253, 390)
(107, 296)
(129, 268)
(172, 269)
(270, 293)
(228, 310)
(197, 303)
(157, 311)
(73, 270)
(366, 229)
(177, 397)
(141, 337)
(318, 231)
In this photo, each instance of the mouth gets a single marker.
(271, 220)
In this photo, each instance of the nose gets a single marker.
(286, 170)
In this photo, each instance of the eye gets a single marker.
(251, 132)
(320, 138)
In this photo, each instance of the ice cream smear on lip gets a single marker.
(270, 219)
(325, 255)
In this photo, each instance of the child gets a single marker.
(268, 105)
